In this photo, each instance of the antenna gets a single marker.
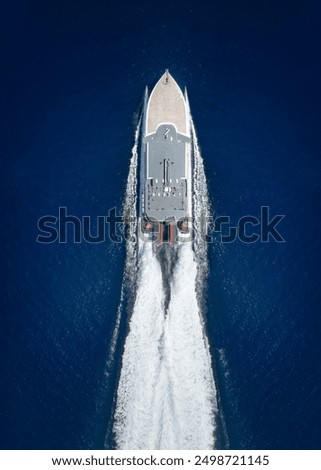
(166, 77)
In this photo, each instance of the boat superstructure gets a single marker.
(165, 206)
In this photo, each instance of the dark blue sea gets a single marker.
(71, 87)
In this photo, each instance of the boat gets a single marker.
(165, 195)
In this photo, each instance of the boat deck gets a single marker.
(166, 104)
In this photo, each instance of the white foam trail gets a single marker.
(201, 206)
(141, 358)
(190, 401)
(130, 210)
(166, 395)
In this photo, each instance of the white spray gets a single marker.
(129, 213)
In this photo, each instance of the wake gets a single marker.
(166, 396)
(129, 213)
